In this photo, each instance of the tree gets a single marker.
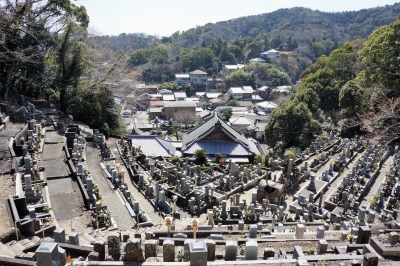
(201, 157)
(381, 55)
(27, 29)
(184, 117)
(292, 124)
(201, 57)
(226, 115)
(232, 101)
(239, 78)
(353, 99)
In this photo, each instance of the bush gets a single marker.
(201, 157)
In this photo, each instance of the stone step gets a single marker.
(86, 239)
(35, 239)
(26, 243)
(14, 246)
(5, 251)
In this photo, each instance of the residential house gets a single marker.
(150, 89)
(168, 97)
(242, 93)
(257, 60)
(198, 77)
(180, 96)
(216, 102)
(212, 83)
(212, 95)
(259, 129)
(228, 69)
(264, 91)
(193, 99)
(216, 136)
(155, 112)
(269, 54)
(171, 107)
(242, 124)
(156, 104)
(182, 79)
(265, 107)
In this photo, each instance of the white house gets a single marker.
(180, 96)
(269, 54)
(228, 69)
(198, 77)
(242, 93)
(265, 107)
(182, 79)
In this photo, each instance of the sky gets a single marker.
(164, 17)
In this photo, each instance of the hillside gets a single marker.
(304, 23)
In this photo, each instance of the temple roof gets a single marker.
(201, 131)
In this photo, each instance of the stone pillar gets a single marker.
(300, 231)
(211, 246)
(169, 251)
(99, 247)
(150, 248)
(364, 233)
(322, 246)
(370, 259)
(59, 235)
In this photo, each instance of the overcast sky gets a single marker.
(164, 17)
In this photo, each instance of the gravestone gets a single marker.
(393, 238)
(168, 251)
(99, 247)
(59, 235)
(322, 246)
(371, 217)
(364, 233)
(300, 231)
(320, 232)
(74, 238)
(113, 244)
(231, 250)
(198, 253)
(253, 231)
(251, 250)
(241, 225)
(150, 248)
(47, 254)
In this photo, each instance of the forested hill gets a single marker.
(304, 23)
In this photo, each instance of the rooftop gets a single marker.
(234, 67)
(241, 120)
(267, 104)
(181, 75)
(244, 89)
(201, 131)
(180, 104)
(168, 97)
(153, 146)
(198, 72)
(180, 94)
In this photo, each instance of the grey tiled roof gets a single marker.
(208, 126)
(153, 146)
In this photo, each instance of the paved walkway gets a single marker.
(111, 198)
(373, 190)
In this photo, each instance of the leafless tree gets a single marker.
(185, 117)
(383, 119)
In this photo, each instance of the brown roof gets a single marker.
(157, 103)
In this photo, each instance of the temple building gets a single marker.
(216, 136)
